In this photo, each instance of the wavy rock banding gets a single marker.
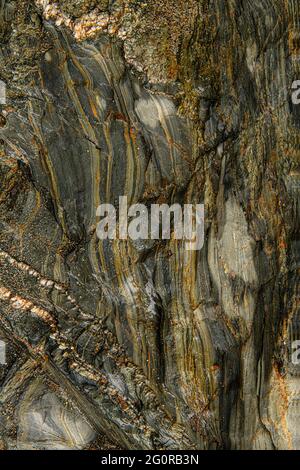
(117, 344)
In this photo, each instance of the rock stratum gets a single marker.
(119, 344)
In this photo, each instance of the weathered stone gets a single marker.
(147, 345)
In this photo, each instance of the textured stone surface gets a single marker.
(146, 345)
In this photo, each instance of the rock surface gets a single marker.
(129, 345)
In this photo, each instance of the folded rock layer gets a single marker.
(144, 344)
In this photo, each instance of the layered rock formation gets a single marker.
(145, 345)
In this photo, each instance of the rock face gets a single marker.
(145, 345)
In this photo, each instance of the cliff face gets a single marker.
(145, 345)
